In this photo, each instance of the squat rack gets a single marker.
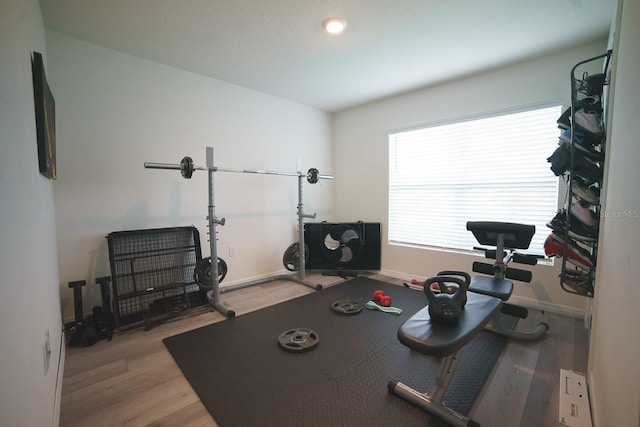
(187, 167)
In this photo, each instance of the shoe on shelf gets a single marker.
(590, 85)
(590, 104)
(583, 142)
(585, 169)
(581, 210)
(585, 139)
(555, 246)
(578, 281)
(591, 122)
(561, 160)
(564, 121)
(576, 230)
(584, 192)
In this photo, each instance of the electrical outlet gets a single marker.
(574, 400)
(232, 250)
(46, 352)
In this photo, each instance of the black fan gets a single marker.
(342, 244)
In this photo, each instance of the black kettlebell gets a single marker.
(445, 307)
(467, 281)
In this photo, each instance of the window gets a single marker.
(486, 169)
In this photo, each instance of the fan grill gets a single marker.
(342, 244)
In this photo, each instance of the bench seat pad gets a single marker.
(421, 334)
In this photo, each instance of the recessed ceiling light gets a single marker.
(334, 25)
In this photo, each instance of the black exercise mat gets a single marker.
(244, 378)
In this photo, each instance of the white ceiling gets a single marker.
(278, 46)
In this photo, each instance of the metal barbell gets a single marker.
(187, 167)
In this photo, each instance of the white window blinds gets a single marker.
(489, 169)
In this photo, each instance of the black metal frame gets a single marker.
(592, 247)
(152, 274)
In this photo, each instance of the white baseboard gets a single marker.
(551, 307)
(57, 399)
(547, 306)
(397, 275)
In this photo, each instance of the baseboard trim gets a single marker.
(551, 307)
(547, 306)
(57, 398)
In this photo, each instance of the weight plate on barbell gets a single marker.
(202, 272)
(312, 176)
(298, 340)
(186, 167)
(346, 307)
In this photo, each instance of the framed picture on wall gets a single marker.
(45, 109)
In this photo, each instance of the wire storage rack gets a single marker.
(586, 139)
(152, 274)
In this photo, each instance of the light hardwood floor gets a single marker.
(133, 380)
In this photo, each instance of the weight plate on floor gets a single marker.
(345, 306)
(298, 340)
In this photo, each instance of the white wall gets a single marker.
(29, 297)
(117, 111)
(614, 372)
(361, 151)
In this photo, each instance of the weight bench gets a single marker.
(446, 342)
(506, 237)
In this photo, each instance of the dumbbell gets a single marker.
(381, 298)
(434, 286)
